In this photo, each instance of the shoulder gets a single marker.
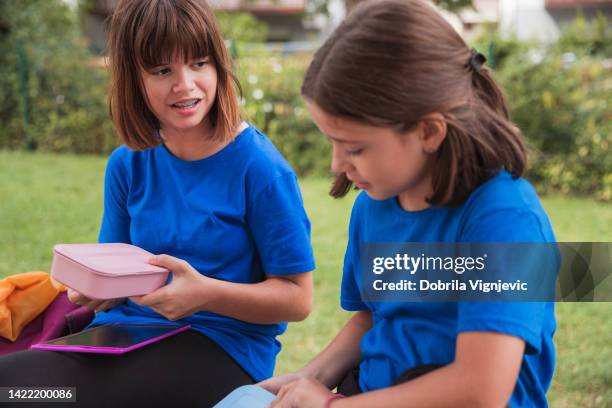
(120, 154)
(505, 191)
(263, 162)
(118, 160)
(123, 156)
(504, 204)
(262, 154)
(125, 164)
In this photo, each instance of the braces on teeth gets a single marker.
(186, 104)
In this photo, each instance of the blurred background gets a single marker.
(552, 57)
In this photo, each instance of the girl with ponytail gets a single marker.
(417, 122)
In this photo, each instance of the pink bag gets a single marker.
(106, 271)
(59, 319)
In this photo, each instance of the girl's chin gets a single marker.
(185, 125)
(381, 195)
(374, 195)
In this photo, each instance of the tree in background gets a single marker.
(49, 77)
(560, 96)
(454, 6)
(242, 27)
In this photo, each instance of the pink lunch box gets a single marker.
(106, 271)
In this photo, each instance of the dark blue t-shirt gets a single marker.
(406, 335)
(237, 216)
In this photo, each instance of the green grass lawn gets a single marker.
(47, 199)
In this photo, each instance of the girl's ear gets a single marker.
(433, 131)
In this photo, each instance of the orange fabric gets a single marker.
(23, 297)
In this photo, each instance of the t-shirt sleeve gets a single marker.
(280, 228)
(350, 295)
(115, 219)
(520, 319)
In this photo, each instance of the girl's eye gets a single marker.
(161, 71)
(201, 63)
(355, 152)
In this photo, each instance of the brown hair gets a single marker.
(390, 63)
(148, 33)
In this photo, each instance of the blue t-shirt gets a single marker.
(237, 216)
(405, 334)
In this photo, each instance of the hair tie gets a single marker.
(477, 60)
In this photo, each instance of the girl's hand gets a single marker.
(302, 393)
(182, 297)
(274, 384)
(93, 304)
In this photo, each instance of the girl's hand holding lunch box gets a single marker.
(182, 296)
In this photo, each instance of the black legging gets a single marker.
(184, 370)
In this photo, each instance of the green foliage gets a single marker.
(498, 48)
(242, 27)
(454, 6)
(65, 96)
(272, 101)
(585, 37)
(560, 97)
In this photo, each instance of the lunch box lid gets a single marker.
(113, 260)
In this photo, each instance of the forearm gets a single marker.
(342, 354)
(483, 374)
(271, 301)
(445, 387)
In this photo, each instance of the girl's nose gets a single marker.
(184, 82)
(339, 163)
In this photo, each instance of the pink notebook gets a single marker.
(106, 271)
(116, 338)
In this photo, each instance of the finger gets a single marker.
(274, 384)
(176, 265)
(274, 403)
(284, 391)
(156, 297)
(79, 300)
(106, 305)
(283, 397)
(136, 299)
(91, 304)
(76, 297)
(268, 385)
(271, 384)
(100, 307)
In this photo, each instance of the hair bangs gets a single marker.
(167, 34)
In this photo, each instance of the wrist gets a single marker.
(208, 292)
(311, 371)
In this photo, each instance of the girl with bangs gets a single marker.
(417, 122)
(210, 194)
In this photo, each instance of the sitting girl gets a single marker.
(417, 122)
(196, 183)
